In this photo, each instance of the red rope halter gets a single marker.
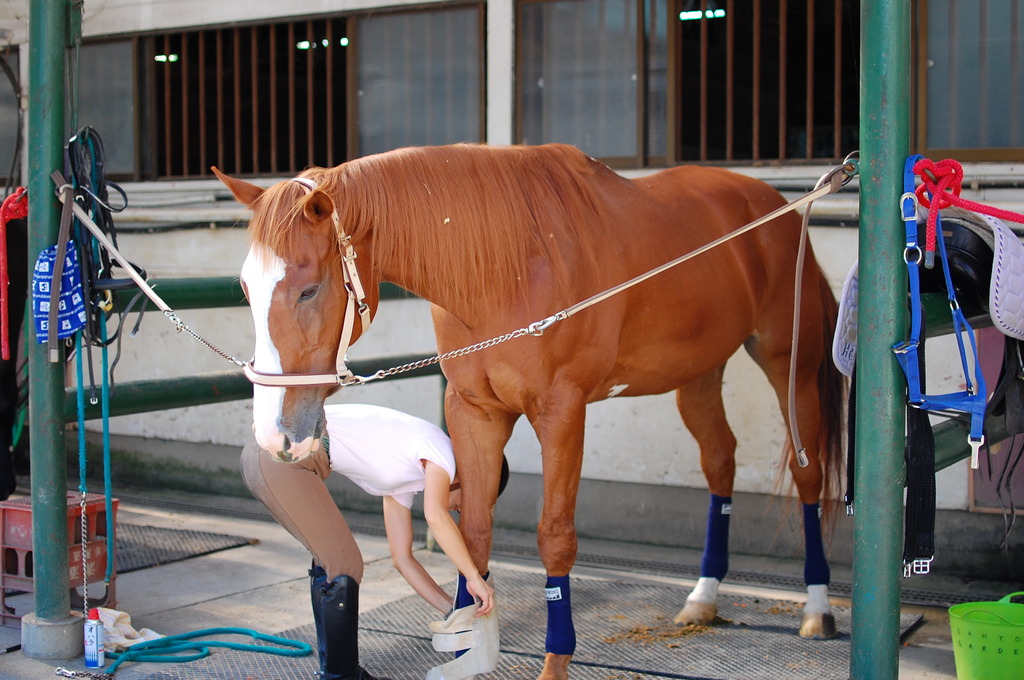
(14, 207)
(943, 181)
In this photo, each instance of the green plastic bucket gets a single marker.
(988, 639)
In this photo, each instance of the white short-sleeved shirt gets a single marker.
(381, 449)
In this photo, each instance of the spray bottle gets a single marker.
(94, 640)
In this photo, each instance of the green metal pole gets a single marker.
(882, 321)
(48, 631)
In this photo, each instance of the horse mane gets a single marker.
(468, 219)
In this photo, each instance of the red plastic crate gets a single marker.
(17, 564)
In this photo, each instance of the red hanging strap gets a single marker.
(14, 207)
(941, 185)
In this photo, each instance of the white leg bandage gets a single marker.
(462, 630)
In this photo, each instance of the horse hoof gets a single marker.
(556, 667)
(819, 627)
(700, 613)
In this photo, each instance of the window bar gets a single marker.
(236, 59)
(254, 84)
(219, 89)
(185, 140)
(646, 18)
(783, 13)
(983, 81)
(168, 134)
(202, 133)
(290, 75)
(310, 89)
(409, 66)
(329, 89)
(755, 119)
(809, 77)
(272, 99)
(837, 80)
(730, 81)
(703, 80)
(1015, 73)
(952, 95)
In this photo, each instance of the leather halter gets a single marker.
(356, 306)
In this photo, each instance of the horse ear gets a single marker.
(245, 193)
(318, 206)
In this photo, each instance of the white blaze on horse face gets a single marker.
(261, 272)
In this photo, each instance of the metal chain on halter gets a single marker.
(454, 354)
(68, 673)
(85, 557)
(181, 326)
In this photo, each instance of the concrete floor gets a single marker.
(264, 585)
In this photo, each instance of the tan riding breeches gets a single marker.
(297, 497)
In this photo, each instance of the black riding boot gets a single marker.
(336, 617)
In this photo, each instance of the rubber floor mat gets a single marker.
(141, 547)
(624, 632)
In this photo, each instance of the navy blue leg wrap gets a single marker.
(561, 637)
(715, 562)
(463, 598)
(816, 571)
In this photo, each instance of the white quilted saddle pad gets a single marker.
(1006, 294)
(844, 342)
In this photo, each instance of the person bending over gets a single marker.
(386, 453)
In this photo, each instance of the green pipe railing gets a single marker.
(145, 396)
(882, 321)
(48, 36)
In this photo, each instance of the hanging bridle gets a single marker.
(356, 305)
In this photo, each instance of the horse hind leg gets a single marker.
(814, 419)
(701, 407)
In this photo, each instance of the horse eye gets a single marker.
(309, 293)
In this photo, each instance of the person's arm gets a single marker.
(398, 525)
(446, 533)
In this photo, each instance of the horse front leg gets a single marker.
(560, 430)
(478, 438)
(701, 407)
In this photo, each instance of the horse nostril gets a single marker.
(284, 455)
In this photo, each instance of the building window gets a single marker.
(650, 82)
(109, 108)
(274, 99)
(971, 71)
(420, 79)
(766, 80)
(580, 79)
(11, 141)
(265, 99)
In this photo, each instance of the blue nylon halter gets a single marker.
(972, 399)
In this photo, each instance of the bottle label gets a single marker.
(94, 656)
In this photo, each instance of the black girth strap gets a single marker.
(851, 442)
(919, 532)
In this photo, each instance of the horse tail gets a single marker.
(832, 392)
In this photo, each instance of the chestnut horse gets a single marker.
(497, 238)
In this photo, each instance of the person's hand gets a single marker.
(482, 591)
